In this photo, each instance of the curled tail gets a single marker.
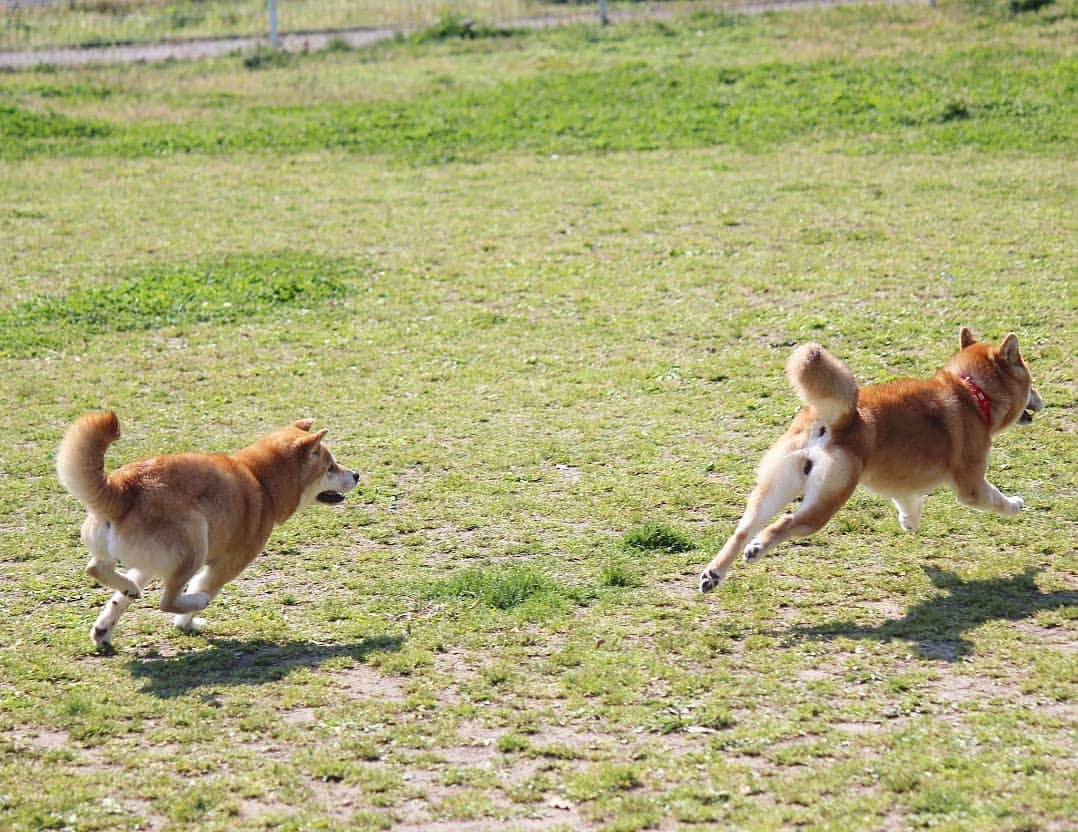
(824, 383)
(80, 464)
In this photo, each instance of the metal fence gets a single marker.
(41, 24)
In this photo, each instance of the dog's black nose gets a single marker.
(355, 476)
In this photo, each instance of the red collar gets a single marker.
(982, 399)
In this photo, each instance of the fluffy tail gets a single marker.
(824, 383)
(80, 464)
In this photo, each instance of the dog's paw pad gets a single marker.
(753, 551)
(709, 579)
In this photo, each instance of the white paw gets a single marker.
(908, 524)
(189, 624)
(709, 579)
(753, 551)
(1014, 505)
(101, 636)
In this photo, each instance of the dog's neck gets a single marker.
(981, 397)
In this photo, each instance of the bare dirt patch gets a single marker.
(45, 739)
(362, 680)
(1056, 638)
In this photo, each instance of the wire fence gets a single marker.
(41, 24)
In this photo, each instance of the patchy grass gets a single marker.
(557, 376)
(232, 290)
(659, 536)
(502, 589)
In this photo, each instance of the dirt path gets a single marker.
(182, 50)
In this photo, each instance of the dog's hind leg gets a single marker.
(99, 537)
(103, 570)
(101, 632)
(781, 478)
(833, 478)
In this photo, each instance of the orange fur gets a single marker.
(901, 439)
(195, 520)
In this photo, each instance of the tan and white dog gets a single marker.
(194, 520)
(901, 440)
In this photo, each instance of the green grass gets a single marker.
(659, 536)
(992, 99)
(556, 356)
(502, 589)
(232, 290)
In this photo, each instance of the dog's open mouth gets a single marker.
(330, 497)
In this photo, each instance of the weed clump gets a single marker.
(617, 573)
(457, 27)
(264, 58)
(504, 588)
(659, 537)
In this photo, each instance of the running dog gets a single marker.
(194, 520)
(901, 440)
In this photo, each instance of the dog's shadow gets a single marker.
(230, 662)
(937, 627)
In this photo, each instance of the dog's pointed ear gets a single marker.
(965, 338)
(1009, 349)
(309, 442)
(303, 424)
(312, 440)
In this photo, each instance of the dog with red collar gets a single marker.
(901, 439)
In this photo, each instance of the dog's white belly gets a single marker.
(908, 484)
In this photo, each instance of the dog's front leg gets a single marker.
(207, 582)
(986, 497)
(910, 511)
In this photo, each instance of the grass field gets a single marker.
(540, 288)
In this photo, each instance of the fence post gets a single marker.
(603, 18)
(274, 39)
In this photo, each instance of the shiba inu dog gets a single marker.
(194, 520)
(901, 440)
